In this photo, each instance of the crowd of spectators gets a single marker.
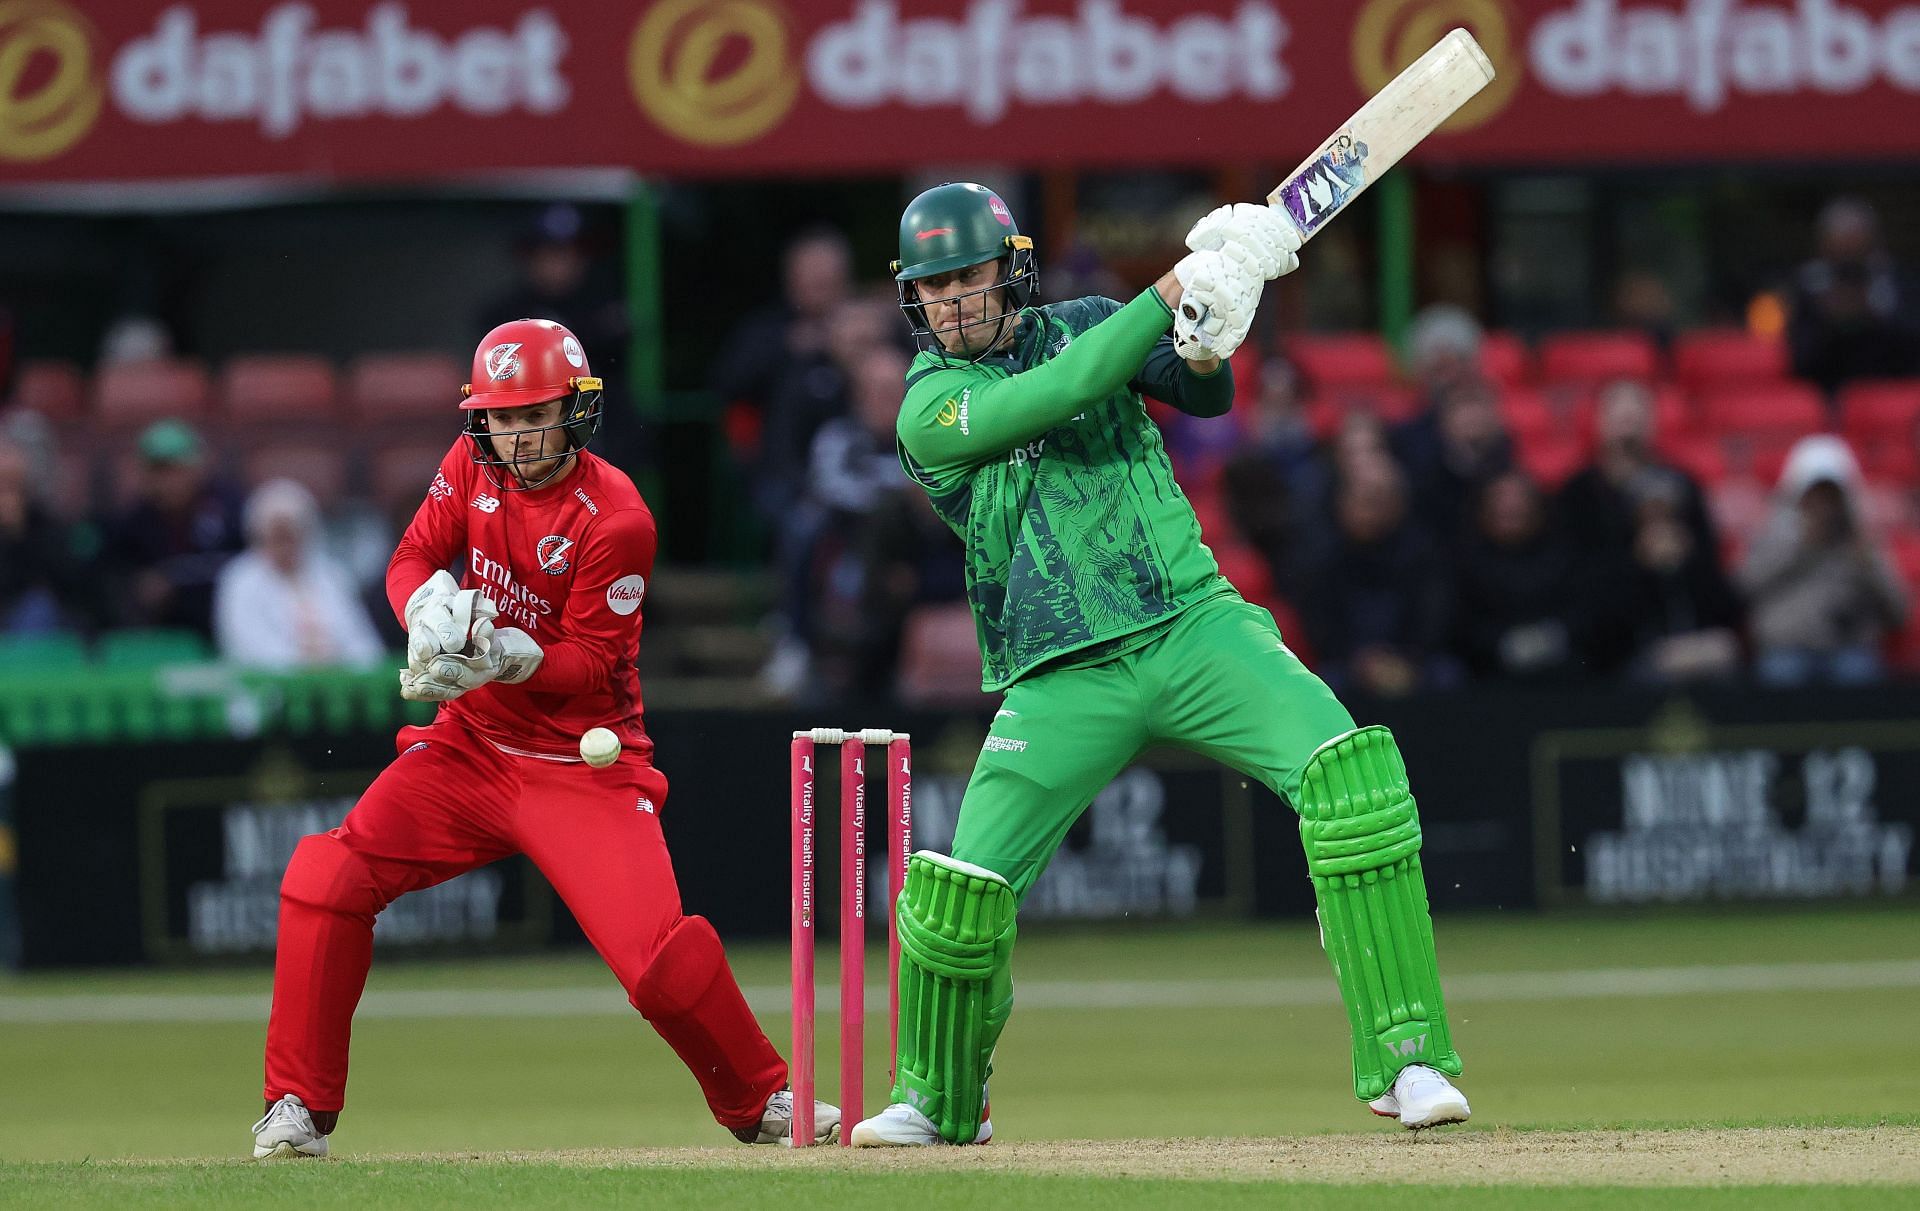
(1422, 533)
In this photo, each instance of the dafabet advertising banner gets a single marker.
(347, 89)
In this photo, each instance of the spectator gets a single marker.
(1443, 351)
(1676, 616)
(1275, 479)
(820, 392)
(1821, 593)
(283, 603)
(783, 341)
(1854, 313)
(1451, 451)
(561, 280)
(1378, 609)
(834, 563)
(1519, 603)
(1600, 512)
(37, 576)
(170, 544)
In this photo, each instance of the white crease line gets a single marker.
(768, 1000)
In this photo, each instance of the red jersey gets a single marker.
(568, 564)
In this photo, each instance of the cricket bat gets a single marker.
(1386, 128)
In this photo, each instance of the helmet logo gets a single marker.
(999, 210)
(930, 232)
(503, 361)
(576, 356)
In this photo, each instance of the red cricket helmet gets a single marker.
(522, 363)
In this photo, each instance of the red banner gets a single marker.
(116, 90)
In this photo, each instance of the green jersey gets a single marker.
(1044, 461)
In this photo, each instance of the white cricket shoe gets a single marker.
(1421, 1097)
(901, 1126)
(286, 1131)
(776, 1122)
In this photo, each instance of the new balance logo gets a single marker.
(1408, 1048)
(645, 805)
(485, 503)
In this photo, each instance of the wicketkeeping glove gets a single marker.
(442, 617)
(507, 654)
(1262, 239)
(1217, 301)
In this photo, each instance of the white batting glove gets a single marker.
(1261, 238)
(507, 655)
(443, 617)
(1218, 297)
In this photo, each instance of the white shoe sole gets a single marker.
(865, 1136)
(284, 1151)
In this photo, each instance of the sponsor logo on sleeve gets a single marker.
(965, 397)
(624, 595)
(439, 489)
(949, 413)
(581, 495)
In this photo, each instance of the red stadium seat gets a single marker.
(322, 470)
(1505, 359)
(1721, 356)
(1528, 416)
(1342, 359)
(1700, 457)
(404, 386)
(1884, 411)
(51, 388)
(1784, 408)
(1552, 461)
(1890, 462)
(940, 658)
(402, 473)
(1595, 357)
(136, 393)
(1242, 565)
(277, 386)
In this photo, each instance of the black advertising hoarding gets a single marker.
(172, 852)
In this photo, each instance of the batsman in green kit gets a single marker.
(1106, 621)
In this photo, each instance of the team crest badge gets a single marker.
(503, 361)
(552, 553)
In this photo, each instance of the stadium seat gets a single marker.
(1529, 417)
(147, 648)
(1244, 566)
(389, 386)
(1714, 357)
(1890, 462)
(1389, 403)
(1505, 359)
(1784, 408)
(132, 394)
(277, 386)
(53, 389)
(1699, 456)
(1330, 359)
(1595, 357)
(1551, 461)
(322, 470)
(1883, 411)
(940, 658)
(400, 475)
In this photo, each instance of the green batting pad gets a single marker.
(1362, 837)
(956, 988)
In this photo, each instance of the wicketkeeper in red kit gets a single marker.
(530, 647)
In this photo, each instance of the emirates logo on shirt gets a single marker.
(552, 552)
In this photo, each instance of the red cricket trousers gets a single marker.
(452, 802)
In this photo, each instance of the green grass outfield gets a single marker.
(136, 1088)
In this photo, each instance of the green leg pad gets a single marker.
(956, 988)
(1362, 836)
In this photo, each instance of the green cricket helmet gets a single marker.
(953, 226)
